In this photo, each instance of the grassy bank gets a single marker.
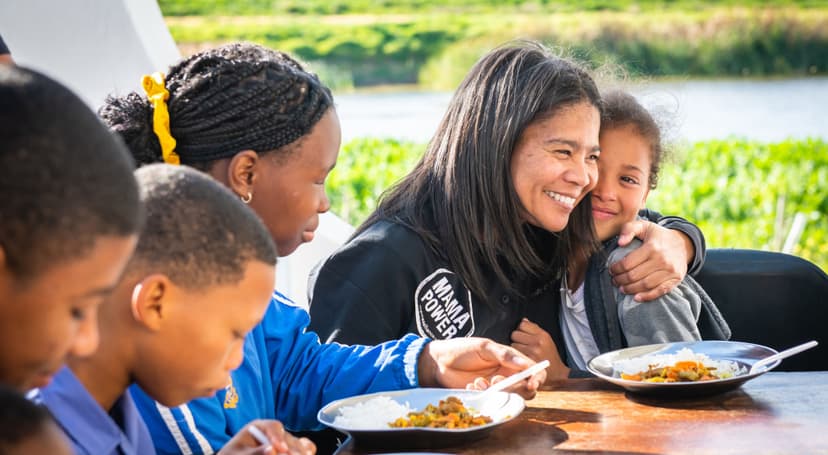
(435, 50)
(742, 194)
(329, 7)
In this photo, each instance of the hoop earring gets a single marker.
(248, 198)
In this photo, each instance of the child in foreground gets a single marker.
(199, 281)
(69, 220)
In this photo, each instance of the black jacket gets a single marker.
(387, 282)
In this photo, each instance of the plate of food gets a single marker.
(685, 369)
(420, 418)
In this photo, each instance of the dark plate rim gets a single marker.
(667, 385)
(365, 431)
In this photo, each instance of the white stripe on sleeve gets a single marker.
(206, 449)
(172, 425)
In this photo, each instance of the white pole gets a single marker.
(795, 233)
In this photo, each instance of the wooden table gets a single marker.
(777, 413)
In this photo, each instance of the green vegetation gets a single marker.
(365, 53)
(741, 193)
(365, 168)
(732, 189)
(433, 44)
(329, 7)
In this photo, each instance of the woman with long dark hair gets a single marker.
(474, 240)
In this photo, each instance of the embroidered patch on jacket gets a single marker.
(231, 398)
(442, 305)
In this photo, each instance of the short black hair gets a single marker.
(65, 179)
(196, 232)
(621, 109)
(20, 419)
(236, 97)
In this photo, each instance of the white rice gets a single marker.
(375, 413)
(724, 368)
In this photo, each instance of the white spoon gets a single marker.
(762, 364)
(487, 394)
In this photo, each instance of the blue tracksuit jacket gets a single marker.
(288, 375)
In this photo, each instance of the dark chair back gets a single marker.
(772, 299)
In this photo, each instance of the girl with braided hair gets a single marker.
(240, 113)
(256, 121)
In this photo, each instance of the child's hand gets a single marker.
(537, 344)
(280, 441)
(655, 268)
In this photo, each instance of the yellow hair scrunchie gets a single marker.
(155, 87)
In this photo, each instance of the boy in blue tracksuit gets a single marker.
(172, 295)
(286, 375)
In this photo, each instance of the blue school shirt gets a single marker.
(90, 429)
(287, 375)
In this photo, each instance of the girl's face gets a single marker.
(623, 182)
(290, 194)
(54, 314)
(554, 165)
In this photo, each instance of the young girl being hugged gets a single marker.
(475, 238)
(596, 316)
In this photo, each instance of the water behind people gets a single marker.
(763, 110)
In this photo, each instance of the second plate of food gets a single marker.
(372, 420)
(686, 369)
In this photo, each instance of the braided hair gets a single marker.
(235, 97)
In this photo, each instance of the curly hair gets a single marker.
(621, 109)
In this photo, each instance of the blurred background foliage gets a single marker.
(330, 7)
(741, 193)
(432, 44)
(746, 194)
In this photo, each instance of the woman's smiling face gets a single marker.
(554, 165)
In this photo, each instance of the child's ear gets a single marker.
(151, 298)
(242, 172)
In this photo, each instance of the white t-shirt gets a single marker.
(575, 326)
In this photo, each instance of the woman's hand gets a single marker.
(279, 441)
(655, 268)
(536, 343)
(458, 362)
